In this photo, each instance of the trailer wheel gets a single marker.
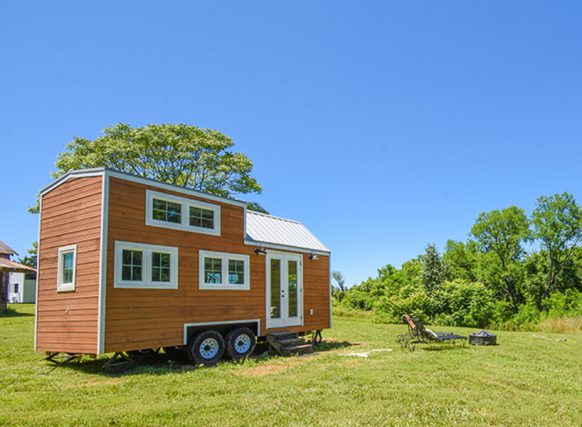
(206, 348)
(240, 343)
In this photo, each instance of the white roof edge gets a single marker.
(77, 173)
(251, 242)
(82, 173)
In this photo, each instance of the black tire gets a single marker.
(207, 348)
(240, 343)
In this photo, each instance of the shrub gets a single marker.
(357, 300)
(413, 301)
(463, 303)
(563, 304)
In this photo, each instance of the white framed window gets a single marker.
(138, 265)
(66, 268)
(179, 213)
(218, 270)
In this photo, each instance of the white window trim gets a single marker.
(225, 257)
(185, 223)
(147, 282)
(66, 287)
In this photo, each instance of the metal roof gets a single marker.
(5, 249)
(268, 229)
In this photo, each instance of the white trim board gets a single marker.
(37, 271)
(103, 265)
(225, 322)
(85, 173)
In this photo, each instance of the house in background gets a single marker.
(21, 287)
(17, 281)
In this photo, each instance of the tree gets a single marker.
(178, 154)
(502, 234)
(31, 259)
(557, 224)
(460, 260)
(339, 279)
(433, 269)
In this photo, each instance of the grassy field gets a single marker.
(529, 379)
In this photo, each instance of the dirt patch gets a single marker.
(266, 368)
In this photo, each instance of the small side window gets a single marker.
(132, 265)
(220, 270)
(143, 266)
(66, 268)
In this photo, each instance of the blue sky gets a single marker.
(383, 126)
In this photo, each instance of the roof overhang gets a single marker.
(268, 245)
(9, 266)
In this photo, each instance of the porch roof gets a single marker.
(272, 230)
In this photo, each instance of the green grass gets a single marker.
(529, 379)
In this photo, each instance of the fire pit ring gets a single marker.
(483, 337)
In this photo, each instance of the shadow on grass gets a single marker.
(161, 364)
(333, 345)
(10, 312)
(154, 364)
(441, 347)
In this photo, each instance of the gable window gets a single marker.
(164, 210)
(139, 265)
(200, 217)
(66, 267)
(180, 213)
(224, 271)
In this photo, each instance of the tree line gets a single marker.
(513, 271)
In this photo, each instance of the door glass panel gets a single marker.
(275, 288)
(292, 280)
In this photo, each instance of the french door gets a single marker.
(284, 290)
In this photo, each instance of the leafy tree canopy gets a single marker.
(502, 232)
(557, 224)
(178, 154)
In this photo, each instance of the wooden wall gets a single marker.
(71, 214)
(145, 318)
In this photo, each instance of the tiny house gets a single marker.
(129, 264)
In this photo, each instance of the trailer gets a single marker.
(129, 264)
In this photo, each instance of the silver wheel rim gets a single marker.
(242, 343)
(209, 348)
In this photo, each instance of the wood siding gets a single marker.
(146, 318)
(71, 215)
